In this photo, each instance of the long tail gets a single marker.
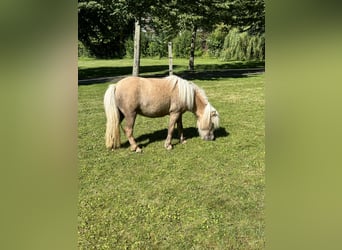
(113, 118)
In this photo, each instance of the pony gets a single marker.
(156, 97)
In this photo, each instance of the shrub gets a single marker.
(181, 45)
(82, 50)
(243, 46)
(129, 48)
(150, 46)
(157, 46)
(216, 39)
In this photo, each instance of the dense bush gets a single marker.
(224, 43)
(129, 48)
(243, 46)
(181, 45)
(82, 50)
(150, 46)
(157, 48)
(231, 44)
(215, 40)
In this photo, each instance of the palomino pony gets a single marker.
(156, 97)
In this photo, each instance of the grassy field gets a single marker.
(200, 195)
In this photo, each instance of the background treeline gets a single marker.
(228, 30)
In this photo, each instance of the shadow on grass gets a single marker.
(99, 72)
(160, 135)
(216, 74)
(202, 72)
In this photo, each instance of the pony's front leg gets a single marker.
(180, 130)
(173, 118)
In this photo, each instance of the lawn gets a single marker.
(199, 195)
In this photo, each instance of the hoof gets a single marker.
(169, 147)
(136, 149)
(183, 141)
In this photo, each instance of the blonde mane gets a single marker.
(186, 90)
(210, 115)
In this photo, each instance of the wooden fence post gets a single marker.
(170, 59)
(136, 61)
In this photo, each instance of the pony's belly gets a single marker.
(153, 112)
(154, 107)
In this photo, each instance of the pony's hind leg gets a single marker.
(130, 119)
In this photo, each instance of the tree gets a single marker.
(137, 10)
(246, 15)
(192, 15)
(141, 11)
(204, 14)
(103, 27)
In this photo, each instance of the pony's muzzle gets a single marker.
(209, 138)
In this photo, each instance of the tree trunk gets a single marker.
(136, 60)
(192, 49)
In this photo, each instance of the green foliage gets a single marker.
(156, 46)
(256, 47)
(200, 195)
(129, 48)
(215, 40)
(102, 28)
(243, 14)
(105, 25)
(150, 46)
(243, 46)
(82, 50)
(181, 45)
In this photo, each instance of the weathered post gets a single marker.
(136, 60)
(170, 59)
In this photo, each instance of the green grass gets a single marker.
(200, 195)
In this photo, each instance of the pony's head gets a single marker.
(191, 95)
(208, 122)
